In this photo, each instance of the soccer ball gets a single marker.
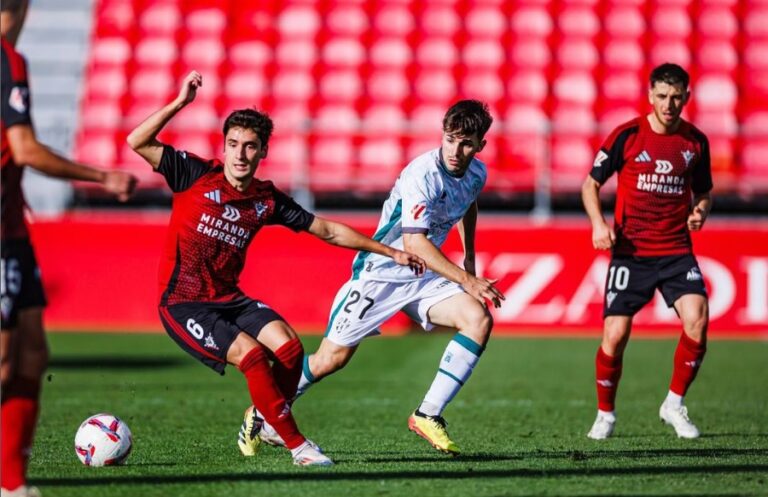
(103, 440)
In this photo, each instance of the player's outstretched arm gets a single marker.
(466, 227)
(482, 289)
(603, 236)
(702, 204)
(143, 139)
(26, 149)
(343, 236)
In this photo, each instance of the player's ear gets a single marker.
(481, 146)
(650, 95)
(264, 151)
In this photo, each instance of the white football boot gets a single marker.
(677, 417)
(22, 491)
(309, 454)
(602, 428)
(269, 436)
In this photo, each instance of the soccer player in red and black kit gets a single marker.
(664, 183)
(23, 348)
(218, 208)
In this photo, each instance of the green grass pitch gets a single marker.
(520, 421)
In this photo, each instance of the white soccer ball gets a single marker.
(103, 440)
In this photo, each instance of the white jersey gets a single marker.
(425, 199)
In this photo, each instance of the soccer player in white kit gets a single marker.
(436, 191)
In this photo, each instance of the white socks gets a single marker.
(459, 359)
(673, 400)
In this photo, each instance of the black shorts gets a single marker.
(207, 329)
(632, 281)
(20, 280)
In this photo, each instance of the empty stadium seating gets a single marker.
(357, 88)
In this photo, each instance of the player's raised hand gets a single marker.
(416, 263)
(189, 86)
(120, 184)
(603, 236)
(483, 290)
(696, 219)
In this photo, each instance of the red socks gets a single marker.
(286, 367)
(688, 357)
(607, 374)
(268, 398)
(20, 406)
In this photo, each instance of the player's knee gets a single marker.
(33, 362)
(696, 326)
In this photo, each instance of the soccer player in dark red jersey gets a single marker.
(218, 208)
(23, 348)
(664, 184)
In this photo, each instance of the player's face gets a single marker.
(242, 152)
(668, 102)
(458, 150)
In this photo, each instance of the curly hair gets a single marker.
(468, 117)
(669, 73)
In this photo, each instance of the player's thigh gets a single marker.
(32, 344)
(629, 285)
(361, 306)
(261, 322)
(465, 313)
(680, 276)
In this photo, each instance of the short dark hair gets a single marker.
(11, 5)
(259, 122)
(671, 74)
(468, 117)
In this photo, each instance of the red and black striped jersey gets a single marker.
(14, 110)
(212, 225)
(657, 175)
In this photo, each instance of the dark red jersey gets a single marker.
(14, 110)
(656, 175)
(212, 225)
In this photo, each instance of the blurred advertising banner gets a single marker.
(100, 273)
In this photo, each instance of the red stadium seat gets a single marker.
(573, 120)
(393, 20)
(115, 18)
(575, 87)
(676, 51)
(160, 18)
(578, 21)
(384, 118)
(671, 22)
(301, 21)
(293, 85)
(387, 86)
(97, 148)
(482, 85)
(347, 20)
(483, 54)
(343, 52)
(245, 54)
(196, 142)
(437, 86)
(437, 52)
(390, 52)
(208, 21)
(105, 83)
(716, 55)
(755, 55)
(577, 53)
(156, 51)
(247, 84)
(101, 115)
(531, 21)
(615, 116)
(331, 163)
(290, 116)
(715, 92)
(754, 165)
(622, 86)
(296, 53)
(717, 22)
(755, 22)
(336, 118)
(428, 117)
(623, 54)
(572, 157)
(528, 85)
(286, 162)
(526, 119)
(152, 83)
(110, 51)
(486, 21)
(380, 161)
(439, 20)
(624, 21)
(341, 86)
(199, 117)
(531, 53)
(205, 54)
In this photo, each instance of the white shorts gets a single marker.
(361, 306)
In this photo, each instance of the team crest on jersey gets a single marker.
(18, 99)
(687, 157)
(230, 213)
(418, 210)
(261, 208)
(210, 343)
(599, 159)
(214, 195)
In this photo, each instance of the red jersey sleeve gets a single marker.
(610, 157)
(16, 100)
(181, 169)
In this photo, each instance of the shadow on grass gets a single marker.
(334, 475)
(114, 362)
